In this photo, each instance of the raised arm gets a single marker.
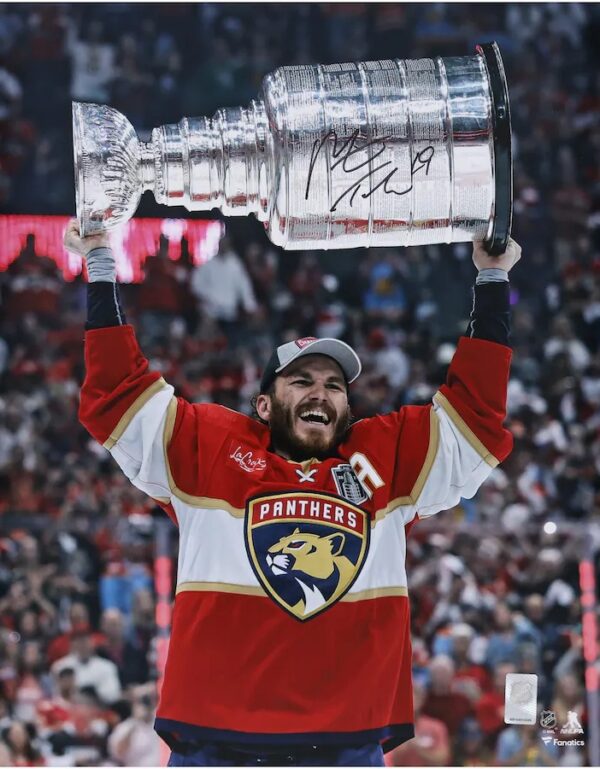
(123, 404)
(447, 450)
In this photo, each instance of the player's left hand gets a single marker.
(506, 261)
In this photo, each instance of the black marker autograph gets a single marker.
(343, 153)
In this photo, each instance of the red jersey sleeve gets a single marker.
(433, 455)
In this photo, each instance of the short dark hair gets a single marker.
(269, 391)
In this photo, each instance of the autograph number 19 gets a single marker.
(379, 173)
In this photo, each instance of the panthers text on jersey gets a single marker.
(291, 619)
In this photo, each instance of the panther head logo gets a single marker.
(306, 549)
(315, 563)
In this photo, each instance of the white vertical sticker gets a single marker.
(520, 698)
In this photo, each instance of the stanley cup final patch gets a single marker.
(348, 485)
(306, 549)
(520, 698)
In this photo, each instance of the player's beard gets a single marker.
(285, 440)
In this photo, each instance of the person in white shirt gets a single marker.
(90, 669)
(134, 742)
(93, 66)
(223, 287)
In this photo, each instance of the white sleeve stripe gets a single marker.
(458, 470)
(136, 406)
(441, 400)
(139, 449)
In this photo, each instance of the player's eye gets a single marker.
(303, 382)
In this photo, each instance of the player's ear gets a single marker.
(263, 406)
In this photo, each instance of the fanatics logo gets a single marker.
(348, 485)
(246, 459)
(301, 343)
(306, 549)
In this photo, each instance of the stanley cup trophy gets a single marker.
(382, 153)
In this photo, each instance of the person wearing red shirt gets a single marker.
(430, 746)
(443, 701)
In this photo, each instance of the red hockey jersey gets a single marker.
(291, 619)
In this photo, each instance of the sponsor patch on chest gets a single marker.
(306, 549)
(248, 460)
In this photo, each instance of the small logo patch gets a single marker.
(572, 725)
(301, 343)
(348, 485)
(548, 719)
(246, 459)
(306, 549)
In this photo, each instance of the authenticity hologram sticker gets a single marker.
(520, 698)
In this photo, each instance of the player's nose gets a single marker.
(318, 392)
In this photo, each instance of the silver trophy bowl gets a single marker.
(387, 153)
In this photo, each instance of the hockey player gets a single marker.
(290, 642)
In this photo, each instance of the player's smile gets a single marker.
(315, 419)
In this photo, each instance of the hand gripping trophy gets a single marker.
(384, 153)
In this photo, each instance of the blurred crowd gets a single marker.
(494, 582)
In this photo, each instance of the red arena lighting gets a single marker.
(131, 242)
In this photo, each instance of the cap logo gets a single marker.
(302, 343)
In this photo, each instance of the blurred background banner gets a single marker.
(506, 582)
(25, 236)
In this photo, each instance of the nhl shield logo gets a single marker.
(548, 719)
(306, 550)
(348, 485)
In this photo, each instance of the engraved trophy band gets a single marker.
(385, 153)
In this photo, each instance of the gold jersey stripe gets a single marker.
(465, 430)
(375, 592)
(219, 587)
(136, 406)
(224, 587)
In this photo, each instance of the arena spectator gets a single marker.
(90, 669)
(224, 290)
(430, 746)
(489, 710)
(134, 742)
(521, 746)
(443, 702)
(569, 696)
(117, 647)
(19, 738)
(471, 748)
(93, 65)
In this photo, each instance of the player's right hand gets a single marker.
(82, 246)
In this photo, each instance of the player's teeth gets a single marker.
(321, 417)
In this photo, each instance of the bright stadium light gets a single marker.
(550, 527)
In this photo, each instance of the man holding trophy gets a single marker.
(290, 642)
